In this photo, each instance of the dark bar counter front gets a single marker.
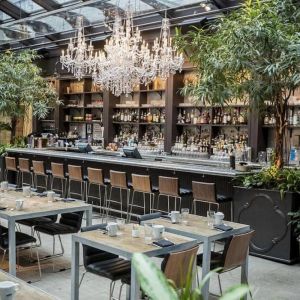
(187, 170)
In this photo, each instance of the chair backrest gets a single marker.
(95, 176)
(57, 170)
(118, 179)
(38, 167)
(72, 219)
(204, 191)
(75, 172)
(92, 255)
(141, 183)
(168, 186)
(24, 165)
(176, 265)
(148, 217)
(236, 250)
(10, 163)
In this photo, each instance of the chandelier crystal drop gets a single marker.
(79, 56)
(126, 60)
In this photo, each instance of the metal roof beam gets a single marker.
(12, 10)
(48, 4)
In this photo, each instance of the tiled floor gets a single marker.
(268, 279)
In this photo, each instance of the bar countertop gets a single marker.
(151, 163)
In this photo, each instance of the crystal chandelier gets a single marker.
(126, 60)
(166, 57)
(78, 58)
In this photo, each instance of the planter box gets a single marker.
(266, 213)
(2, 167)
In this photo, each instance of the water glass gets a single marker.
(27, 191)
(210, 218)
(4, 186)
(121, 224)
(185, 215)
(148, 233)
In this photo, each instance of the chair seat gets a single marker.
(216, 260)
(184, 192)
(21, 239)
(38, 221)
(112, 269)
(223, 198)
(56, 228)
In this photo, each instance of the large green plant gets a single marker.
(252, 53)
(157, 287)
(21, 87)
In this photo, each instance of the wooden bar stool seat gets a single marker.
(24, 168)
(95, 177)
(58, 174)
(118, 182)
(38, 169)
(141, 184)
(75, 176)
(11, 166)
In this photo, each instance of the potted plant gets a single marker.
(295, 221)
(253, 54)
(22, 87)
(156, 286)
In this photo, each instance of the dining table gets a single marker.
(123, 245)
(34, 206)
(197, 227)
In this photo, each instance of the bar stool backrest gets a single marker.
(204, 191)
(24, 165)
(57, 170)
(95, 176)
(177, 265)
(168, 186)
(10, 163)
(236, 251)
(141, 183)
(118, 179)
(75, 172)
(38, 167)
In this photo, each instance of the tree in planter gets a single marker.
(22, 87)
(252, 53)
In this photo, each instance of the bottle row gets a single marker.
(146, 116)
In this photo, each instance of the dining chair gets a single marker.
(233, 256)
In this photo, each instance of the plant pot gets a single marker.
(267, 213)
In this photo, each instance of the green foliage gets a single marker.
(295, 221)
(22, 86)
(272, 178)
(252, 53)
(155, 285)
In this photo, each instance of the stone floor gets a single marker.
(269, 280)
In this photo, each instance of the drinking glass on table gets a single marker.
(148, 233)
(121, 224)
(210, 218)
(185, 215)
(27, 191)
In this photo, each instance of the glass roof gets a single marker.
(59, 16)
(28, 6)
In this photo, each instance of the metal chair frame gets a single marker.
(110, 200)
(82, 188)
(101, 206)
(63, 181)
(35, 181)
(168, 197)
(195, 201)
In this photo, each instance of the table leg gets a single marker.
(206, 267)
(134, 287)
(244, 272)
(75, 271)
(12, 246)
(89, 216)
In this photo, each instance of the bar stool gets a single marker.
(11, 165)
(57, 172)
(24, 168)
(206, 193)
(75, 175)
(38, 169)
(95, 177)
(118, 181)
(169, 187)
(141, 184)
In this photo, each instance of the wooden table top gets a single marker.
(26, 291)
(34, 204)
(197, 225)
(129, 244)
